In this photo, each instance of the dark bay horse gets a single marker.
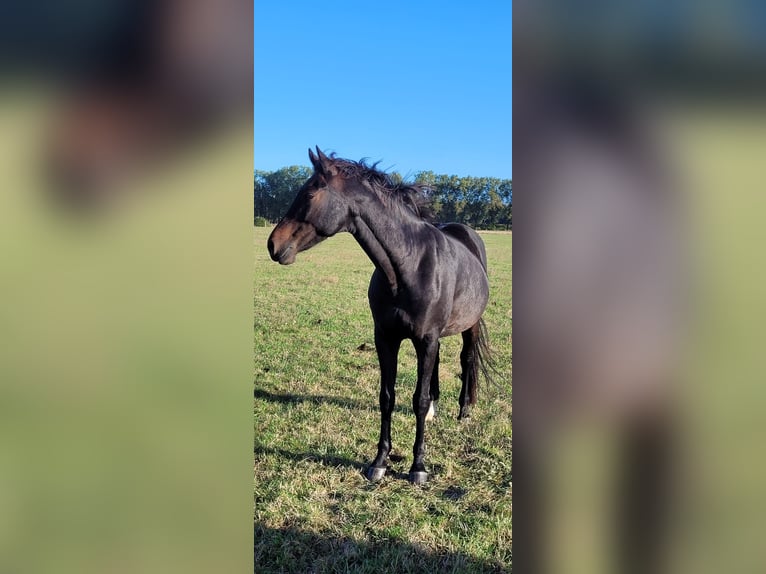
(429, 282)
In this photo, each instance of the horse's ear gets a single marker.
(314, 160)
(325, 164)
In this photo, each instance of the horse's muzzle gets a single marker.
(284, 255)
(291, 237)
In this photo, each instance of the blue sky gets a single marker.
(418, 85)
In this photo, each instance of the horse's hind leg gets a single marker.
(434, 387)
(470, 370)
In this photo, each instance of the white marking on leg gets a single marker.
(431, 412)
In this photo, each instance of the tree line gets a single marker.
(481, 202)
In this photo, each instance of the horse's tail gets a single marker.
(483, 363)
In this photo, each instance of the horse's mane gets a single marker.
(411, 196)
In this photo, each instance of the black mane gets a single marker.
(412, 196)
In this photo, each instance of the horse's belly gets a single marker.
(466, 312)
(450, 330)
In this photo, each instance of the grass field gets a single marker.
(316, 427)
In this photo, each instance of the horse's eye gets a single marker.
(314, 189)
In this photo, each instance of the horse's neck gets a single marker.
(383, 240)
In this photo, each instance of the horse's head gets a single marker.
(319, 211)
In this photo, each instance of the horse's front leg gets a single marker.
(427, 350)
(388, 352)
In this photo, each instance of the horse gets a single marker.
(429, 282)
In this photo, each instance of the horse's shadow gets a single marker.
(329, 460)
(324, 460)
(288, 399)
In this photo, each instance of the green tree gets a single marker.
(482, 202)
(275, 190)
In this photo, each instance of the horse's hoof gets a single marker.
(465, 412)
(375, 473)
(418, 477)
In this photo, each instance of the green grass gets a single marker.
(316, 427)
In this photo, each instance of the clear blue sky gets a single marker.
(418, 85)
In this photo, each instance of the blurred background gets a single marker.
(639, 137)
(126, 284)
(126, 261)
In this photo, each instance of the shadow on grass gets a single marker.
(394, 466)
(287, 399)
(325, 460)
(283, 551)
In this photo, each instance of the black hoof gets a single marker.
(465, 412)
(418, 477)
(375, 473)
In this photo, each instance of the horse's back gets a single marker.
(467, 237)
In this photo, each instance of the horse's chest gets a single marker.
(406, 316)
(405, 319)
(411, 311)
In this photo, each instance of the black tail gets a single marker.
(483, 363)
